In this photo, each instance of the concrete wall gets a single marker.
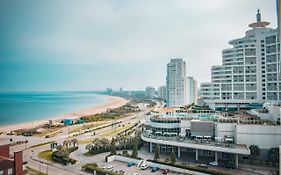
(122, 159)
(222, 129)
(264, 136)
(185, 124)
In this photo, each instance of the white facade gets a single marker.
(192, 90)
(162, 94)
(150, 92)
(176, 83)
(249, 73)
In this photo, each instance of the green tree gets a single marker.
(135, 150)
(112, 147)
(255, 151)
(157, 152)
(273, 154)
(173, 157)
(125, 152)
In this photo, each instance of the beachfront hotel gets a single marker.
(207, 135)
(176, 83)
(249, 74)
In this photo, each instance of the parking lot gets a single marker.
(117, 166)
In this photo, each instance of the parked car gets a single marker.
(131, 164)
(214, 163)
(229, 166)
(202, 166)
(110, 168)
(120, 172)
(154, 169)
(144, 166)
(165, 171)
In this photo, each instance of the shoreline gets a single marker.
(112, 102)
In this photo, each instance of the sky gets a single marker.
(94, 44)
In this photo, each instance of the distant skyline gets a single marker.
(95, 44)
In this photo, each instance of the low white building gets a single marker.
(209, 133)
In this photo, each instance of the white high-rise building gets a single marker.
(176, 83)
(162, 93)
(192, 91)
(249, 74)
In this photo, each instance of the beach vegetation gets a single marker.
(111, 114)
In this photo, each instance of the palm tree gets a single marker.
(74, 142)
(157, 152)
(89, 147)
(112, 147)
(255, 151)
(273, 154)
(173, 158)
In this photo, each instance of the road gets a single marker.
(30, 154)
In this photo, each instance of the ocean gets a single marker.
(25, 107)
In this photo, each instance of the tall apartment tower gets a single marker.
(176, 83)
(191, 90)
(162, 93)
(150, 92)
(249, 74)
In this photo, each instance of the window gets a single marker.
(270, 39)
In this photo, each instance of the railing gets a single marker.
(186, 140)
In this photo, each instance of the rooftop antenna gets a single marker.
(258, 16)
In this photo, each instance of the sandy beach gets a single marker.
(112, 102)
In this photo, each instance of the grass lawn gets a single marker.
(117, 130)
(32, 171)
(106, 134)
(88, 126)
(47, 155)
(86, 141)
(40, 144)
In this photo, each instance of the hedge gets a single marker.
(64, 159)
(203, 170)
(92, 167)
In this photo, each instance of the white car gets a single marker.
(110, 168)
(214, 163)
(136, 174)
(144, 166)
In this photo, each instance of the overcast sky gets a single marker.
(93, 44)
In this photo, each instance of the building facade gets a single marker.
(162, 93)
(150, 92)
(207, 133)
(176, 83)
(192, 90)
(11, 165)
(249, 74)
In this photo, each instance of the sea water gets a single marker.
(25, 107)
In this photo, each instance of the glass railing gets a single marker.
(187, 140)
